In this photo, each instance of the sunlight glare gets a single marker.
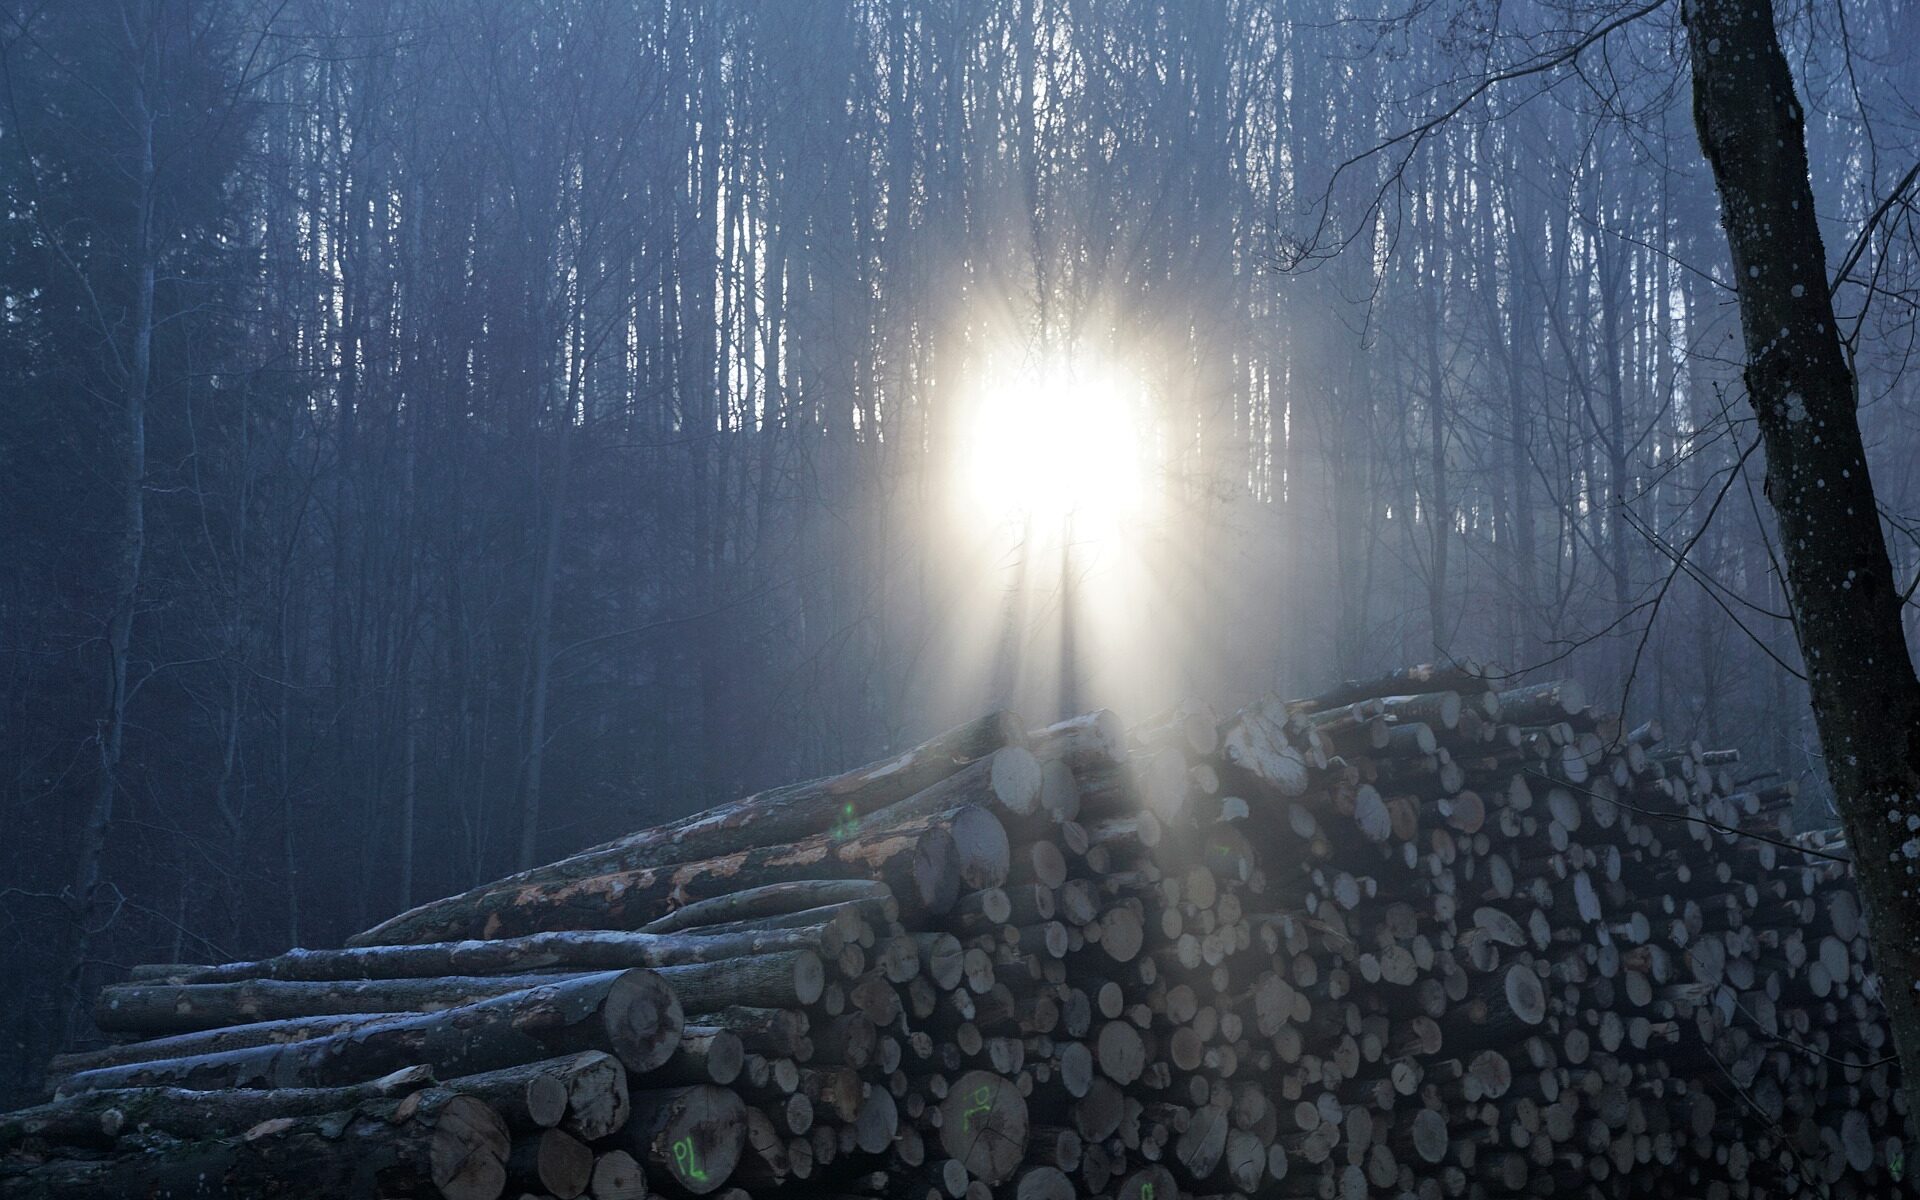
(1056, 443)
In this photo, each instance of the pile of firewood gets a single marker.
(1414, 937)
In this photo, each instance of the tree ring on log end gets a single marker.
(643, 1020)
(467, 1156)
(983, 1123)
(1150, 1183)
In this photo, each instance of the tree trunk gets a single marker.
(110, 737)
(1846, 603)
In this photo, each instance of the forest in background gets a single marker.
(546, 409)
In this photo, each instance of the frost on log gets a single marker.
(1413, 937)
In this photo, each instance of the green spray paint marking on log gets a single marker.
(684, 1155)
(982, 1102)
(1146, 1191)
(848, 824)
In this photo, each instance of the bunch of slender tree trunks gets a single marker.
(1413, 937)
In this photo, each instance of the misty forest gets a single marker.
(1436, 480)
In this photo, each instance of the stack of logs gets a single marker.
(1414, 937)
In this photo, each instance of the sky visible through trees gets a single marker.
(439, 434)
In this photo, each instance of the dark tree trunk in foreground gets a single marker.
(1846, 604)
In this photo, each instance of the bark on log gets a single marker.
(584, 1094)
(790, 979)
(771, 900)
(98, 1119)
(210, 1041)
(632, 1015)
(797, 813)
(1090, 742)
(561, 951)
(1407, 681)
(183, 1008)
(431, 1143)
(1254, 740)
(707, 1054)
(918, 862)
(1009, 780)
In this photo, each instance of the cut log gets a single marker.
(210, 1041)
(706, 1054)
(770, 900)
(532, 1096)
(791, 979)
(1192, 726)
(1090, 742)
(983, 1124)
(688, 1138)
(770, 1032)
(1415, 680)
(584, 1094)
(554, 1162)
(1543, 703)
(1008, 781)
(799, 813)
(1149, 1183)
(98, 1119)
(569, 951)
(617, 1175)
(918, 862)
(632, 1015)
(1255, 741)
(182, 1008)
(431, 1143)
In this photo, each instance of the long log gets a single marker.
(1008, 780)
(98, 1119)
(431, 1143)
(632, 1015)
(790, 979)
(567, 950)
(788, 814)
(1407, 681)
(181, 1008)
(918, 862)
(208, 1041)
(771, 900)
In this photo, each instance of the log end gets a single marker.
(643, 1020)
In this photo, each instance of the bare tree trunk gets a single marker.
(1846, 605)
(541, 655)
(1439, 504)
(110, 738)
(1613, 271)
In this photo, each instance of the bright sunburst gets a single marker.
(1059, 441)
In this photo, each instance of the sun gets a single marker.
(1057, 443)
